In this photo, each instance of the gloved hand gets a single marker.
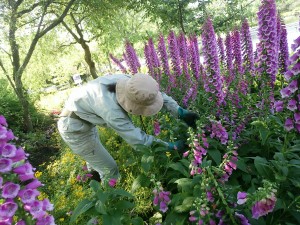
(177, 145)
(188, 117)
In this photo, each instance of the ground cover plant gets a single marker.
(241, 163)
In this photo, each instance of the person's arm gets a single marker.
(170, 105)
(121, 123)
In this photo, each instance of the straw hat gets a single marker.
(139, 95)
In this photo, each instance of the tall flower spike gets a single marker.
(184, 55)
(132, 59)
(247, 48)
(268, 41)
(118, 63)
(283, 49)
(229, 59)
(221, 51)
(155, 61)
(237, 53)
(148, 60)
(193, 56)
(174, 54)
(211, 61)
(163, 55)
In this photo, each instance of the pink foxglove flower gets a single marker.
(242, 197)
(10, 190)
(264, 206)
(112, 182)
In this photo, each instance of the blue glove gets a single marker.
(188, 117)
(177, 145)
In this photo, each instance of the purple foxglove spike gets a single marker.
(132, 58)
(237, 53)
(267, 33)
(221, 51)
(229, 59)
(247, 48)
(155, 61)
(118, 63)
(211, 61)
(148, 60)
(283, 49)
(174, 54)
(184, 55)
(192, 58)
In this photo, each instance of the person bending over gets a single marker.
(107, 101)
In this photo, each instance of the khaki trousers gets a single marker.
(83, 139)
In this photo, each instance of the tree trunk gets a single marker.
(89, 60)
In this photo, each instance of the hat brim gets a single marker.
(133, 108)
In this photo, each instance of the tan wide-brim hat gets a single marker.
(139, 95)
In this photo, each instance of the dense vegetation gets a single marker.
(241, 164)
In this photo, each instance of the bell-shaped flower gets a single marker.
(242, 197)
(297, 117)
(25, 171)
(36, 209)
(278, 106)
(8, 151)
(28, 195)
(47, 205)
(45, 220)
(8, 209)
(34, 184)
(20, 155)
(21, 222)
(289, 125)
(285, 92)
(5, 165)
(292, 105)
(10, 190)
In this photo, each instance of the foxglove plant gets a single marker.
(221, 51)
(193, 58)
(247, 48)
(174, 54)
(237, 53)
(161, 198)
(131, 58)
(283, 49)
(154, 59)
(290, 93)
(118, 63)
(163, 56)
(19, 185)
(149, 64)
(183, 52)
(213, 82)
(229, 59)
(268, 45)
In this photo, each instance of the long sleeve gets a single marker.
(170, 104)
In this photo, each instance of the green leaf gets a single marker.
(180, 168)
(141, 181)
(100, 207)
(95, 185)
(137, 221)
(123, 205)
(242, 165)
(121, 192)
(111, 219)
(216, 155)
(186, 184)
(81, 208)
(186, 205)
(262, 167)
(147, 161)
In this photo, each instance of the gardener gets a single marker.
(106, 101)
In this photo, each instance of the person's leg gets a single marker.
(83, 139)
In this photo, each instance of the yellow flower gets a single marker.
(38, 174)
(61, 219)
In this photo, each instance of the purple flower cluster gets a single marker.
(283, 49)
(218, 131)
(131, 58)
(154, 61)
(230, 161)
(183, 52)
(161, 198)
(264, 206)
(290, 93)
(118, 63)
(174, 54)
(193, 54)
(163, 56)
(15, 193)
(190, 95)
(237, 53)
(221, 51)
(156, 127)
(199, 147)
(242, 218)
(247, 48)
(268, 45)
(229, 59)
(213, 81)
